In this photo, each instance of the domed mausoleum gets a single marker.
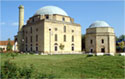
(100, 38)
(49, 30)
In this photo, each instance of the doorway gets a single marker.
(91, 50)
(103, 50)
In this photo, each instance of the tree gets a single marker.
(9, 46)
(122, 38)
(61, 46)
(121, 45)
(116, 38)
(1, 49)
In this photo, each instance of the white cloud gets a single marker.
(2, 23)
(14, 24)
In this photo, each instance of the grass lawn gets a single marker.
(73, 66)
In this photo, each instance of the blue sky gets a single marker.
(83, 12)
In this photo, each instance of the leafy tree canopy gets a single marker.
(9, 46)
(61, 46)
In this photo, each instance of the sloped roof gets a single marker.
(6, 42)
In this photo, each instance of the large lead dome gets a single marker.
(99, 24)
(51, 10)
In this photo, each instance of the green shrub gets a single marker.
(12, 54)
(1, 50)
(90, 55)
(11, 70)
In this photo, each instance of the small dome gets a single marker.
(51, 10)
(99, 24)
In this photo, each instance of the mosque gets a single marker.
(49, 30)
(52, 30)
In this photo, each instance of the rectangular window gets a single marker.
(102, 41)
(31, 39)
(64, 38)
(31, 47)
(33, 20)
(55, 37)
(64, 28)
(72, 38)
(26, 47)
(26, 39)
(36, 29)
(36, 38)
(91, 41)
(31, 30)
(36, 48)
(72, 48)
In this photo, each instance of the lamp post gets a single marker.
(50, 41)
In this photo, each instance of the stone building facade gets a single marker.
(48, 30)
(100, 38)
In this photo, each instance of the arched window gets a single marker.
(36, 38)
(26, 39)
(31, 39)
(91, 41)
(72, 38)
(72, 47)
(63, 19)
(55, 37)
(47, 16)
(64, 38)
(102, 40)
(36, 48)
(56, 46)
(31, 47)
(64, 28)
(30, 29)
(26, 47)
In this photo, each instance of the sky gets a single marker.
(83, 12)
